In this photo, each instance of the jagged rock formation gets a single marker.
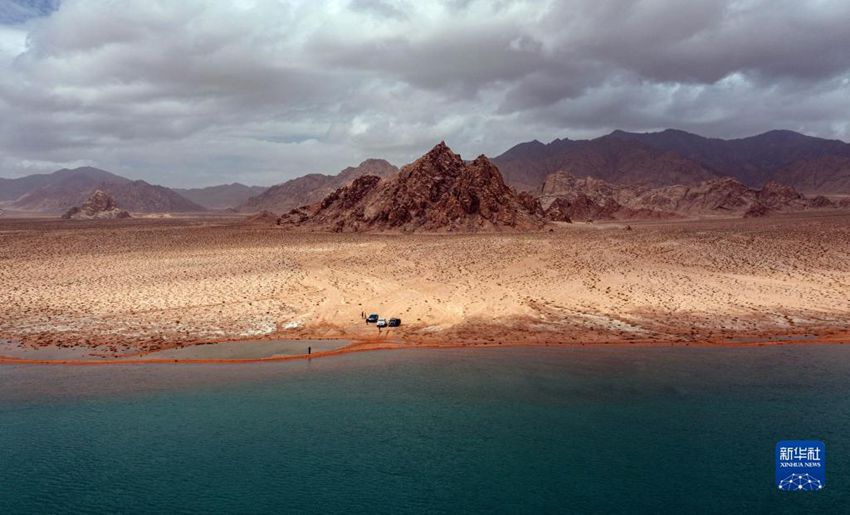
(531, 204)
(560, 210)
(98, 206)
(566, 196)
(437, 192)
(313, 187)
(588, 198)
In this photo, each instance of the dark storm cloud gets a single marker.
(19, 11)
(259, 90)
(704, 42)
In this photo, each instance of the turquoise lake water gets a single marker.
(504, 430)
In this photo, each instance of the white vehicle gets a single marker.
(382, 322)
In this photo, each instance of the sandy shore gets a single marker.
(137, 286)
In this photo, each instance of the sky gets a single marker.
(194, 93)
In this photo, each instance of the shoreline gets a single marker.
(371, 346)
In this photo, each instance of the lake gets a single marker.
(592, 429)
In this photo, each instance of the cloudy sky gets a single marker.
(195, 92)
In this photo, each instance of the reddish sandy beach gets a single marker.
(366, 346)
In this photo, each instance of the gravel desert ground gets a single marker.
(130, 286)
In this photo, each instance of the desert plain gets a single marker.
(129, 287)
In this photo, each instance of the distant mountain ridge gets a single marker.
(776, 155)
(811, 165)
(67, 188)
(526, 166)
(313, 187)
(13, 189)
(221, 196)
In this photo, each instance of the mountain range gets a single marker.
(13, 189)
(67, 188)
(810, 165)
(59, 191)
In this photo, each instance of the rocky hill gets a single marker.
(438, 192)
(100, 205)
(312, 188)
(63, 189)
(142, 197)
(588, 198)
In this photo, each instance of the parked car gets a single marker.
(382, 322)
(371, 319)
(394, 322)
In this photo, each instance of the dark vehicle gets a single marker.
(372, 319)
(395, 322)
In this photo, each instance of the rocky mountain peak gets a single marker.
(436, 163)
(437, 192)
